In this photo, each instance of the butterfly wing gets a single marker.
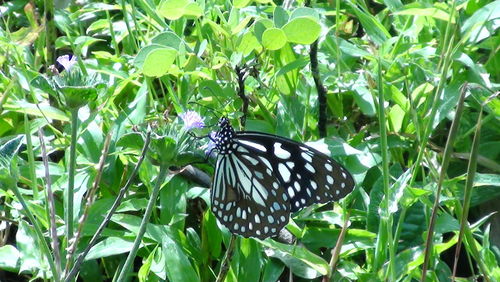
(246, 195)
(305, 174)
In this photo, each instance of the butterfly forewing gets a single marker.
(307, 175)
(259, 178)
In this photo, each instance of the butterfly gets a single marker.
(261, 178)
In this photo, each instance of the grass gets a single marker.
(97, 168)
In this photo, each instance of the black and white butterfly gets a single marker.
(261, 178)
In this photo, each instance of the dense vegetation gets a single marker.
(101, 178)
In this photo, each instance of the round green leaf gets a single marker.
(241, 3)
(193, 10)
(280, 17)
(302, 30)
(273, 38)
(261, 26)
(172, 9)
(159, 61)
(168, 39)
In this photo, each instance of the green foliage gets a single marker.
(394, 73)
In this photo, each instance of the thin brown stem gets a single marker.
(90, 200)
(52, 209)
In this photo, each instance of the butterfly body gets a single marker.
(260, 178)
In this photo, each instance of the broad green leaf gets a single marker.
(109, 247)
(248, 44)
(167, 39)
(172, 9)
(31, 257)
(446, 223)
(483, 179)
(304, 12)
(10, 148)
(260, 26)
(145, 270)
(241, 3)
(40, 110)
(273, 38)
(177, 263)
(272, 271)
(300, 260)
(373, 27)
(476, 25)
(363, 97)
(159, 61)
(210, 88)
(427, 12)
(302, 30)
(9, 258)
(141, 57)
(280, 17)
(193, 11)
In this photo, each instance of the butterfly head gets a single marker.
(224, 136)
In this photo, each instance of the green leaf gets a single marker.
(193, 11)
(474, 26)
(260, 26)
(172, 9)
(241, 3)
(248, 44)
(280, 17)
(109, 247)
(11, 147)
(427, 12)
(483, 179)
(177, 263)
(304, 12)
(273, 38)
(302, 30)
(373, 27)
(40, 110)
(300, 260)
(9, 258)
(159, 61)
(31, 257)
(167, 39)
(446, 223)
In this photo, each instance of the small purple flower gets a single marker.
(67, 61)
(192, 120)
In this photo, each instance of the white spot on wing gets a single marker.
(309, 167)
(280, 152)
(329, 167)
(329, 179)
(254, 145)
(306, 157)
(285, 173)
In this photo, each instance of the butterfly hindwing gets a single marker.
(246, 197)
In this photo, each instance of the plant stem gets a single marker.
(444, 167)
(51, 206)
(227, 259)
(71, 176)
(142, 229)
(385, 173)
(31, 158)
(115, 205)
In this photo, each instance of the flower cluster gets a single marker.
(192, 120)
